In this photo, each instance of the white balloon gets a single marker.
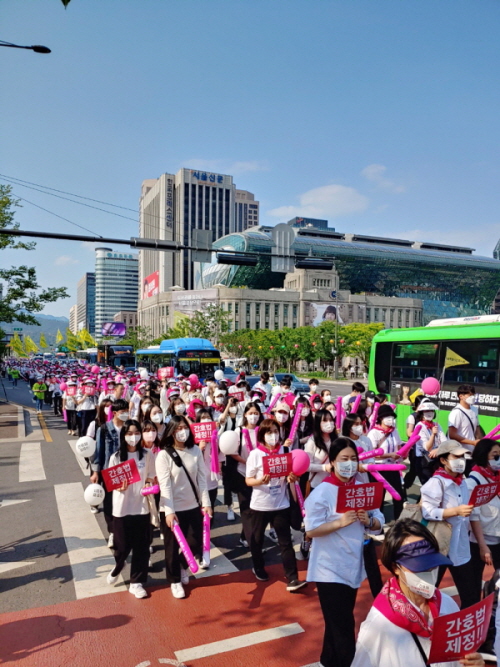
(143, 373)
(219, 375)
(229, 443)
(85, 446)
(94, 494)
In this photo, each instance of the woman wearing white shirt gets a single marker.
(398, 630)
(318, 445)
(155, 414)
(131, 519)
(180, 460)
(270, 504)
(336, 558)
(431, 436)
(85, 406)
(444, 498)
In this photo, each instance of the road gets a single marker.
(56, 608)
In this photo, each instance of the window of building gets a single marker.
(407, 319)
(229, 307)
(257, 309)
(351, 312)
(384, 313)
(285, 312)
(276, 311)
(236, 325)
(266, 310)
(294, 312)
(375, 315)
(236, 308)
(248, 310)
(166, 310)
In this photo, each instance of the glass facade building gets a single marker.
(451, 281)
(116, 285)
(85, 303)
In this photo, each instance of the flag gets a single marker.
(59, 337)
(453, 359)
(43, 342)
(72, 341)
(85, 338)
(30, 344)
(17, 346)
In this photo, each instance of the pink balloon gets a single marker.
(430, 386)
(300, 462)
(95, 369)
(193, 379)
(63, 386)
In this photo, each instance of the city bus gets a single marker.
(185, 355)
(455, 351)
(90, 355)
(109, 354)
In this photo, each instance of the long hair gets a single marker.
(123, 443)
(168, 439)
(318, 433)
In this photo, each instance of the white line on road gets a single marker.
(31, 463)
(6, 502)
(250, 639)
(81, 461)
(89, 557)
(6, 567)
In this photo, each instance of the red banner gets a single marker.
(202, 430)
(115, 476)
(89, 391)
(279, 465)
(164, 373)
(482, 494)
(71, 391)
(151, 285)
(456, 635)
(360, 497)
(238, 395)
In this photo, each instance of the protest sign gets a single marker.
(360, 497)
(202, 431)
(483, 493)
(279, 465)
(115, 476)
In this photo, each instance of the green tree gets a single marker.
(210, 322)
(139, 337)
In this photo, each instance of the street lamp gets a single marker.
(37, 48)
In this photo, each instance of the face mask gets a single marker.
(457, 465)
(219, 400)
(180, 409)
(346, 468)
(388, 421)
(149, 436)
(233, 411)
(327, 397)
(145, 406)
(357, 430)
(327, 427)
(182, 436)
(470, 400)
(422, 583)
(271, 438)
(428, 416)
(317, 406)
(370, 401)
(305, 412)
(252, 419)
(313, 387)
(107, 410)
(494, 464)
(132, 439)
(281, 417)
(123, 416)
(157, 418)
(204, 421)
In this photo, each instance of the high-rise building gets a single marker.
(172, 207)
(116, 285)
(85, 301)
(73, 319)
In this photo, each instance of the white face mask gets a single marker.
(233, 411)
(457, 465)
(157, 418)
(313, 387)
(149, 436)
(428, 416)
(305, 412)
(317, 406)
(422, 583)
(346, 468)
(219, 400)
(180, 409)
(327, 397)
(357, 430)
(281, 417)
(107, 409)
(123, 416)
(388, 421)
(370, 401)
(327, 427)
(252, 419)
(145, 406)
(182, 435)
(132, 439)
(271, 438)
(470, 400)
(204, 421)
(494, 465)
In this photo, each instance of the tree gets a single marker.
(210, 322)
(139, 337)
(22, 295)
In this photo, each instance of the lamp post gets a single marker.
(37, 48)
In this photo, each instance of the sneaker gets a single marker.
(243, 543)
(177, 591)
(202, 563)
(295, 585)
(111, 543)
(151, 550)
(111, 579)
(184, 577)
(161, 536)
(305, 547)
(150, 563)
(69, 433)
(230, 514)
(261, 575)
(138, 591)
(94, 509)
(272, 535)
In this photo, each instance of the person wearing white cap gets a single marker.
(69, 405)
(431, 436)
(445, 497)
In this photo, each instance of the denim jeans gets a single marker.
(39, 404)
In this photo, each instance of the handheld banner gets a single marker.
(202, 431)
(360, 497)
(482, 494)
(279, 465)
(165, 373)
(115, 476)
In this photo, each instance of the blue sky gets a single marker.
(380, 115)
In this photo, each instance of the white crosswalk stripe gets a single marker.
(81, 461)
(30, 463)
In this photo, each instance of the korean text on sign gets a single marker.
(167, 372)
(115, 476)
(360, 497)
(456, 635)
(202, 431)
(482, 494)
(279, 465)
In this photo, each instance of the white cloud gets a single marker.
(64, 260)
(327, 201)
(226, 166)
(375, 173)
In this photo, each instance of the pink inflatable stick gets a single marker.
(296, 421)
(414, 437)
(182, 542)
(147, 490)
(339, 411)
(206, 537)
(370, 454)
(300, 498)
(493, 432)
(273, 403)
(374, 414)
(355, 405)
(390, 489)
(377, 467)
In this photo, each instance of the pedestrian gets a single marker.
(69, 406)
(39, 389)
(85, 406)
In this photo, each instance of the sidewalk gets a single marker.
(11, 422)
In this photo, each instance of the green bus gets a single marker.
(455, 351)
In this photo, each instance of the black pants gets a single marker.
(57, 403)
(280, 521)
(412, 470)
(228, 482)
(213, 497)
(478, 564)
(131, 534)
(71, 417)
(107, 508)
(337, 604)
(424, 472)
(244, 496)
(372, 568)
(85, 419)
(191, 524)
(465, 581)
(48, 398)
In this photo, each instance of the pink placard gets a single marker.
(71, 391)
(456, 635)
(279, 465)
(482, 494)
(202, 431)
(164, 373)
(238, 395)
(115, 476)
(360, 497)
(89, 391)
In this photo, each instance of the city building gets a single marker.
(451, 281)
(128, 317)
(175, 207)
(85, 301)
(73, 315)
(116, 285)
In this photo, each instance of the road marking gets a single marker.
(219, 564)
(45, 430)
(6, 567)
(6, 503)
(250, 639)
(31, 463)
(81, 461)
(89, 557)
